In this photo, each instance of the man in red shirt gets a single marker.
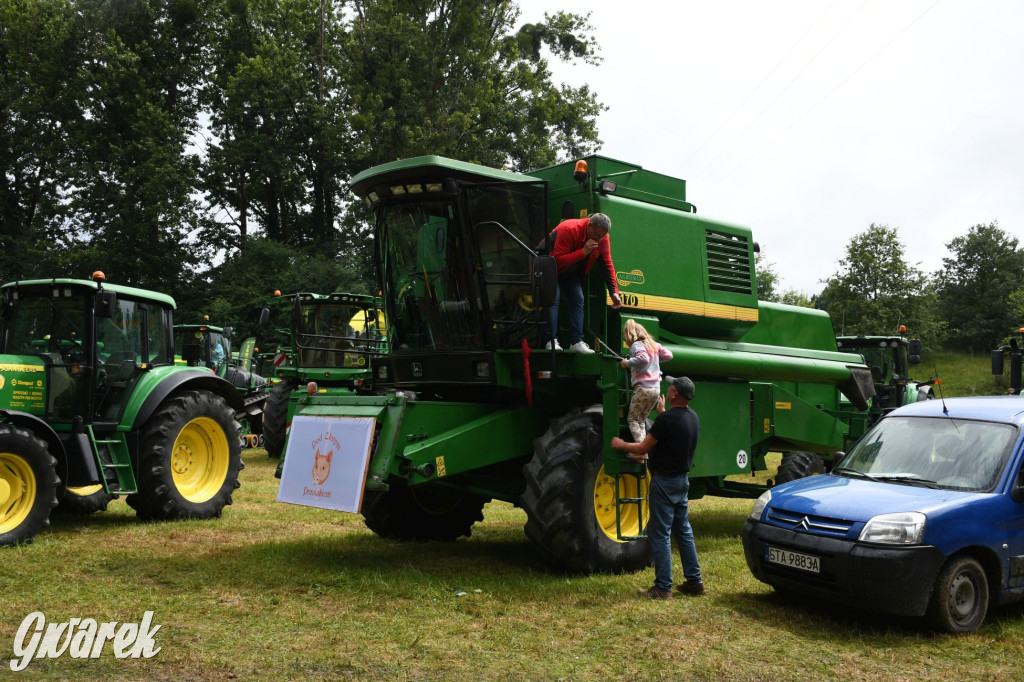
(579, 243)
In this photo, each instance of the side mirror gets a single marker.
(915, 347)
(228, 332)
(105, 304)
(997, 361)
(544, 276)
(1017, 491)
(190, 354)
(264, 317)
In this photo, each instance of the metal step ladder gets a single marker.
(640, 501)
(114, 461)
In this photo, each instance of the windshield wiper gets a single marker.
(909, 479)
(853, 473)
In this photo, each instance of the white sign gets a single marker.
(326, 462)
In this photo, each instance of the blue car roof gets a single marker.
(1008, 409)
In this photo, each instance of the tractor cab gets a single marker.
(75, 349)
(889, 359)
(456, 256)
(203, 345)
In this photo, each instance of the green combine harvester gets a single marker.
(467, 408)
(92, 406)
(330, 340)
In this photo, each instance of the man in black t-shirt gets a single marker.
(668, 450)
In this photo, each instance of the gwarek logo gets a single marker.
(82, 638)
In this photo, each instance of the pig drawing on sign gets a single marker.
(322, 466)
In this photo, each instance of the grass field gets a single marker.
(274, 591)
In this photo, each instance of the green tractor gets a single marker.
(330, 340)
(92, 406)
(466, 407)
(889, 358)
(209, 346)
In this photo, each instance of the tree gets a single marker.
(977, 287)
(450, 77)
(876, 290)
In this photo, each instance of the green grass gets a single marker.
(962, 375)
(274, 591)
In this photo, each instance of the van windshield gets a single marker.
(955, 454)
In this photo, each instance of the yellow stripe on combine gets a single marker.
(685, 306)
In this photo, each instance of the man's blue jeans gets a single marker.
(670, 518)
(571, 285)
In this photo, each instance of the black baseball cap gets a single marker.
(683, 386)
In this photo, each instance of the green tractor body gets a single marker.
(467, 407)
(204, 345)
(330, 340)
(92, 406)
(889, 358)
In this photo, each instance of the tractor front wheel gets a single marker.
(190, 458)
(85, 500)
(275, 417)
(28, 485)
(570, 501)
(422, 513)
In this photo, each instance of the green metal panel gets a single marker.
(724, 445)
(796, 424)
(792, 326)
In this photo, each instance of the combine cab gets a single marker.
(330, 341)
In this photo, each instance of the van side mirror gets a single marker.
(105, 303)
(544, 275)
(1017, 491)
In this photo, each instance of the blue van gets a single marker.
(923, 517)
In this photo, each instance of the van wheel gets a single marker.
(960, 597)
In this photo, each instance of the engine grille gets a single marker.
(728, 262)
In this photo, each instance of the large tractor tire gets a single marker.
(422, 513)
(796, 465)
(190, 458)
(28, 485)
(85, 500)
(275, 417)
(570, 501)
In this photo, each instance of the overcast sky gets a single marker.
(807, 121)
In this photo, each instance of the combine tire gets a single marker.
(570, 501)
(190, 459)
(28, 485)
(85, 500)
(422, 513)
(275, 417)
(796, 465)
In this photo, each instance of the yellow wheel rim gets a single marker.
(85, 490)
(18, 490)
(199, 459)
(604, 504)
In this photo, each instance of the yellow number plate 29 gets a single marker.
(784, 557)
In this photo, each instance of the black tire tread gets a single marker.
(16, 439)
(275, 417)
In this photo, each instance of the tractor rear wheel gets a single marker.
(275, 417)
(796, 465)
(190, 458)
(85, 500)
(570, 501)
(28, 485)
(422, 513)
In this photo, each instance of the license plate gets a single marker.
(784, 557)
